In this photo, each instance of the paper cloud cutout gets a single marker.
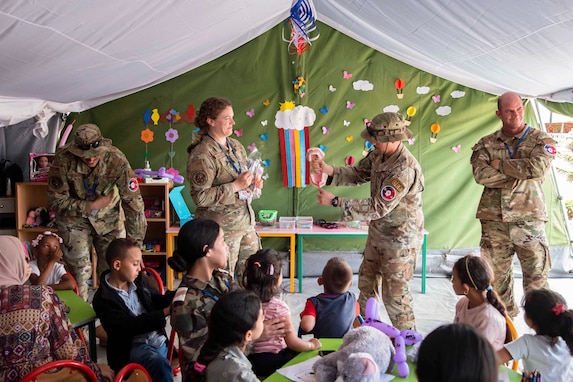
(391, 109)
(457, 94)
(296, 118)
(423, 89)
(443, 110)
(363, 85)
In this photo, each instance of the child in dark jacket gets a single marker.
(132, 312)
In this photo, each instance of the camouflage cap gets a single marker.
(89, 142)
(386, 127)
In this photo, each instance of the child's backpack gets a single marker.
(9, 171)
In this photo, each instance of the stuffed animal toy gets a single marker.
(30, 219)
(358, 367)
(42, 217)
(363, 339)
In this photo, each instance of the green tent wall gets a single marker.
(263, 70)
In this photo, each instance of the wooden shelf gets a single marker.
(156, 196)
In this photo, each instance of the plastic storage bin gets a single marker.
(287, 222)
(268, 217)
(304, 222)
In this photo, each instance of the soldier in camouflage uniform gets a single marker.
(218, 175)
(395, 212)
(89, 182)
(511, 165)
(201, 251)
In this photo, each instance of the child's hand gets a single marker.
(56, 255)
(315, 343)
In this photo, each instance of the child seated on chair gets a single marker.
(549, 351)
(46, 266)
(132, 313)
(332, 313)
(480, 306)
(263, 275)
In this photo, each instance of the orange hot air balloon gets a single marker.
(435, 129)
(399, 84)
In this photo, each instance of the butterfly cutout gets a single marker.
(251, 113)
(266, 176)
(264, 123)
(346, 75)
(239, 133)
(324, 109)
(264, 136)
(266, 162)
(350, 105)
(323, 148)
(326, 130)
(457, 148)
(368, 145)
(195, 130)
(349, 138)
(252, 146)
(436, 98)
(346, 123)
(266, 102)
(331, 88)
(411, 141)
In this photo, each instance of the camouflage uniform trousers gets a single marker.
(78, 239)
(500, 241)
(392, 269)
(242, 244)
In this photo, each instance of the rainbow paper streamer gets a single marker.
(295, 168)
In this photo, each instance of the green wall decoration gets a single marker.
(260, 75)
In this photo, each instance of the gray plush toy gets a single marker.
(364, 339)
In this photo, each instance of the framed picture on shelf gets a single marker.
(40, 166)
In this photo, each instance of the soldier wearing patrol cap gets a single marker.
(511, 164)
(395, 212)
(89, 181)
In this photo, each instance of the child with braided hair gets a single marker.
(263, 275)
(46, 266)
(480, 306)
(550, 349)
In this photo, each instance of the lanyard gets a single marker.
(231, 161)
(90, 191)
(517, 145)
(211, 295)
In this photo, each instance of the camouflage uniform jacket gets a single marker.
(191, 307)
(210, 174)
(395, 203)
(515, 192)
(68, 195)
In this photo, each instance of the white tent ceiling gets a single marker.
(71, 55)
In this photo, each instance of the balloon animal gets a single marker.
(401, 338)
(161, 173)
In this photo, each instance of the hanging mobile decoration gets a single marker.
(399, 84)
(301, 24)
(299, 87)
(435, 129)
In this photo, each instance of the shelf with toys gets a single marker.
(33, 196)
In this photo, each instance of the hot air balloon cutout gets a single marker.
(410, 112)
(435, 129)
(293, 123)
(172, 134)
(399, 85)
(302, 27)
(147, 134)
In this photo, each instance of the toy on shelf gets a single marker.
(37, 217)
(401, 338)
(170, 174)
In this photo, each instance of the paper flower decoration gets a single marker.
(171, 136)
(435, 129)
(399, 85)
(147, 137)
(172, 117)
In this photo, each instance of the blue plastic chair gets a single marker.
(179, 205)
